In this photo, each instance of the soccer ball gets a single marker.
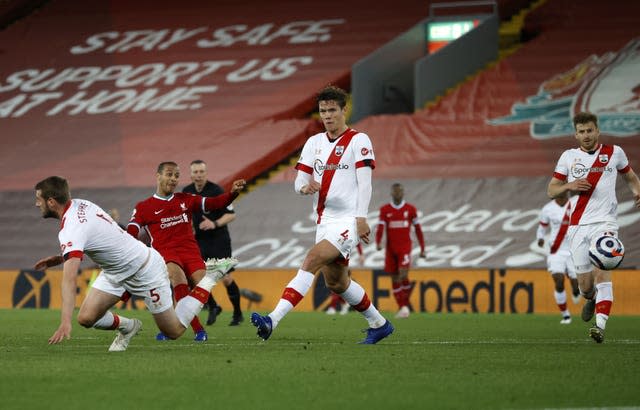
(606, 252)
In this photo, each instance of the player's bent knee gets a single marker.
(312, 262)
(170, 326)
(587, 293)
(86, 320)
(336, 287)
(173, 332)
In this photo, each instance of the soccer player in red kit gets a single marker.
(398, 216)
(166, 217)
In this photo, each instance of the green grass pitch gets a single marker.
(312, 361)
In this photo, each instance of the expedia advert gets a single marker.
(433, 291)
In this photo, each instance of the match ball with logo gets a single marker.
(606, 252)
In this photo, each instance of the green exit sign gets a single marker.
(449, 30)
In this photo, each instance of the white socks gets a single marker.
(295, 290)
(356, 297)
(561, 301)
(106, 322)
(604, 297)
(186, 309)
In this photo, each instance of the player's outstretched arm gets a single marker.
(212, 203)
(69, 275)
(48, 262)
(238, 185)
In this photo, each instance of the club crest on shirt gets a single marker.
(339, 150)
(183, 206)
(604, 158)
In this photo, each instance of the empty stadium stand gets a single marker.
(191, 82)
(151, 81)
(500, 133)
(459, 137)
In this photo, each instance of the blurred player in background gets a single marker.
(398, 217)
(590, 172)
(213, 237)
(128, 266)
(554, 219)
(335, 168)
(166, 217)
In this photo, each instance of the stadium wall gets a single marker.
(435, 291)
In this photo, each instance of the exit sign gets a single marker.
(439, 34)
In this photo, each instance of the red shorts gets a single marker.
(188, 259)
(395, 260)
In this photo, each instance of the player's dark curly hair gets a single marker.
(333, 93)
(584, 118)
(54, 187)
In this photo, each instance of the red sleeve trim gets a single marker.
(133, 229)
(625, 169)
(73, 254)
(366, 163)
(559, 176)
(304, 168)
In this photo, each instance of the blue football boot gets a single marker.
(264, 325)
(201, 336)
(376, 335)
(161, 337)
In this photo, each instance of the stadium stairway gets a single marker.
(468, 132)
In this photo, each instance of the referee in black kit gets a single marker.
(213, 237)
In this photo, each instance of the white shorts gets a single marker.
(150, 282)
(341, 233)
(561, 262)
(580, 238)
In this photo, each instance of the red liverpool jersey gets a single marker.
(168, 220)
(398, 219)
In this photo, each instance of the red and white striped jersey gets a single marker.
(87, 229)
(600, 168)
(333, 164)
(552, 217)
